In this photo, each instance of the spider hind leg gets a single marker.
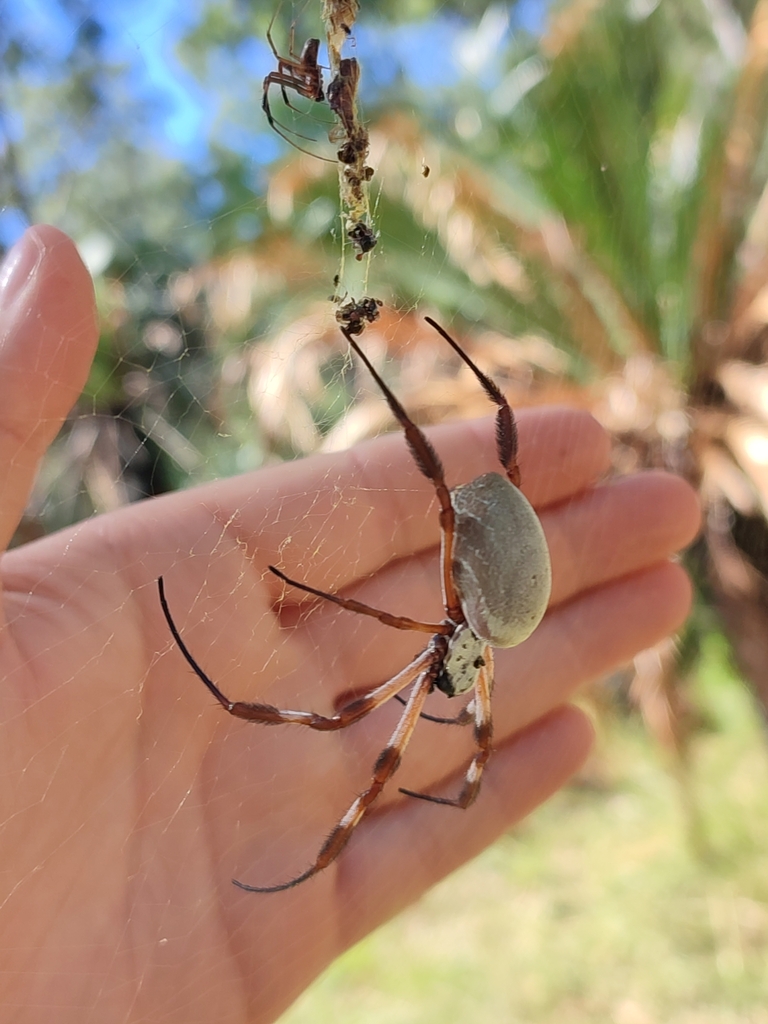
(267, 714)
(483, 735)
(385, 767)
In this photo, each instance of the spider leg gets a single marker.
(298, 87)
(269, 31)
(286, 101)
(386, 765)
(292, 40)
(289, 77)
(428, 461)
(267, 714)
(397, 621)
(281, 130)
(506, 428)
(464, 717)
(274, 78)
(483, 735)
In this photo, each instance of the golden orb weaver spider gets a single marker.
(496, 579)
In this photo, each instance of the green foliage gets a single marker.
(621, 137)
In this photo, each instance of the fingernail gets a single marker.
(20, 263)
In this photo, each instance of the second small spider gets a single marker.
(496, 581)
(300, 73)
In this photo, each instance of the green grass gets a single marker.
(596, 909)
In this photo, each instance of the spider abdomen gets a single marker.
(501, 561)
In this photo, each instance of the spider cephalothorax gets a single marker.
(496, 581)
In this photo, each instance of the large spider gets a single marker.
(496, 580)
(299, 72)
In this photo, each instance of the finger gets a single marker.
(331, 520)
(603, 534)
(398, 855)
(47, 340)
(618, 529)
(587, 638)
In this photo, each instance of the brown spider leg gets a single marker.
(288, 78)
(396, 621)
(269, 33)
(304, 65)
(291, 37)
(297, 67)
(279, 128)
(309, 67)
(296, 73)
(506, 428)
(300, 73)
(483, 735)
(386, 765)
(428, 462)
(267, 714)
(305, 80)
(464, 717)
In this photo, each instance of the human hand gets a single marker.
(131, 799)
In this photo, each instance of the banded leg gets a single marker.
(428, 462)
(267, 714)
(386, 765)
(506, 428)
(483, 736)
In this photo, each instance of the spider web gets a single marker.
(214, 250)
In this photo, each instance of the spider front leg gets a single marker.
(386, 765)
(483, 736)
(428, 462)
(506, 427)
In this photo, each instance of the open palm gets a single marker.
(131, 799)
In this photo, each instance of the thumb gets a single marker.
(48, 337)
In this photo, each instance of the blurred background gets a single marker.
(577, 190)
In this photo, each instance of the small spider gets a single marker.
(496, 581)
(299, 72)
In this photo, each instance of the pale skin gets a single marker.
(130, 800)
